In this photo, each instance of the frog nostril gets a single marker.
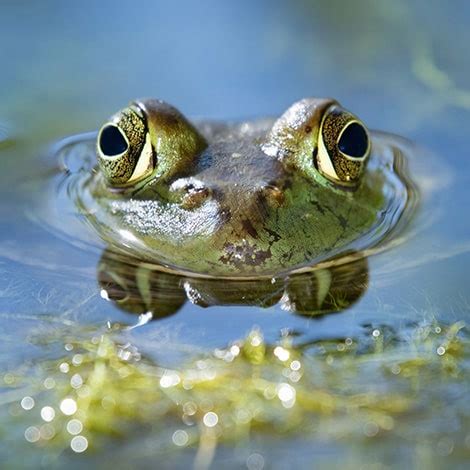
(194, 196)
(111, 141)
(190, 192)
(273, 195)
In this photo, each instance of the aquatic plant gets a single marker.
(380, 384)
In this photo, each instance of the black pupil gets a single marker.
(112, 142)
(354, 141)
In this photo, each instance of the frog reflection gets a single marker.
(138, 287)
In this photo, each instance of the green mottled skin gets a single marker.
(238, 199)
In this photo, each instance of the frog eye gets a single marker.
(343, 146)
(124, 150)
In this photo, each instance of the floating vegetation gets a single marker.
(379, 384)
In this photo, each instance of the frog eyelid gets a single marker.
(138, 110)
(323, 162)
(145, 162)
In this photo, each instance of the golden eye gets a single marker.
(343, 146)
(124, 150)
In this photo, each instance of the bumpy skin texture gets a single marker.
(236, 199)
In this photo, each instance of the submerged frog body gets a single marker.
(241, 200)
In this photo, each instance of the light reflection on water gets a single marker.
(398, 65)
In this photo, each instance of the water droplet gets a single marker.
(295, 365)
(108, 402)
(68, 406)
(32, 434)
(371, 429)
(79, 444)
(49, 383)
(269, 393)
(210, 419)
(47, 413)
(190, 408)
(77, 359)
(9, 379)
(104, 294)
(281, 353)
(27, 403)
(387, 423)
(47, 431)
(74, 427)
(286, 393)
(76, 381)
(295, 376)
(235, 350)
(169, 379)
(255, 462)
(180, 438)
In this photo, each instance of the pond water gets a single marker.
(245, 381)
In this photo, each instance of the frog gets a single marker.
(250, 199)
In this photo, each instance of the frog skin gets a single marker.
(248, 199)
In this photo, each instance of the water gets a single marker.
(401, 67)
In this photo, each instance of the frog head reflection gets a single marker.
(141, 288)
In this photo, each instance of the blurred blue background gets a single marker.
(66, 66)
